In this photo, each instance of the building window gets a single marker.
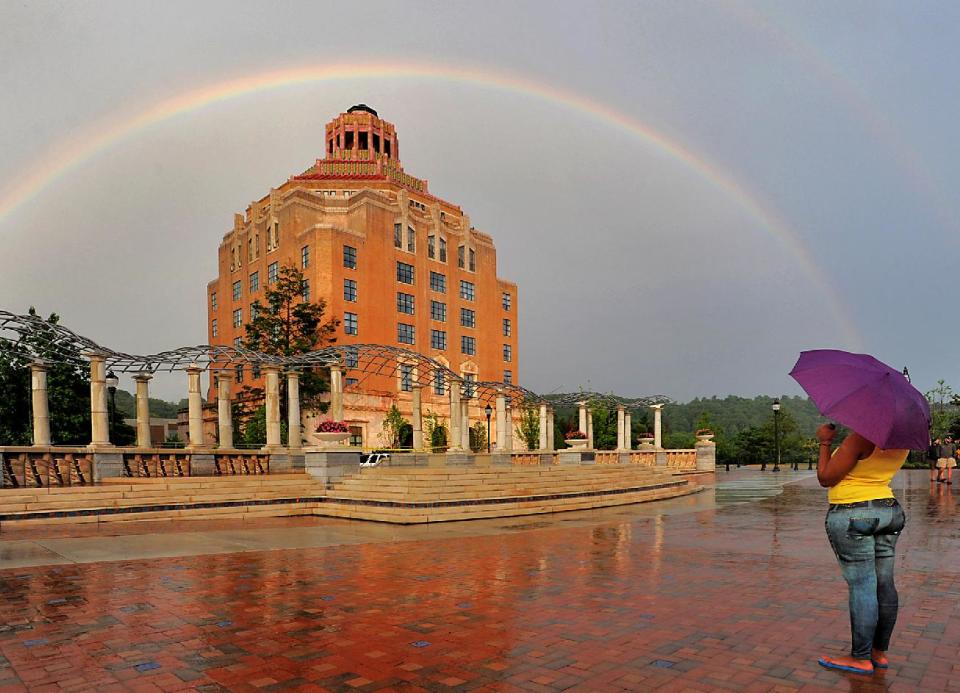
(506, 300)
(272, 273)
(443, 249)
(405, 334)
(237, 342)
(506, 327)
(431, 246)
(349, 257)
(473, 260)
(240, 373)
(405, 303)
(251, 255)
(468, 345)
(356, 433)
(255, 371)
(254, 282)
(460, 256)
(347, 383)
(438, 339)
(238, 317)
(439, 385)
(306, 289)
(305, 256)
(254, 310)
(350, 290)
(508, 377)
(351, 358)
(469, 389)
(466, 290)
(236, 290)
(350, 323)
(406, 377)
(438, 282)
(468, 318)
(398, 235)
(438, 311)
(411, 240)
(213, 300)
(213, 327)
(507, 353)
(404, 273)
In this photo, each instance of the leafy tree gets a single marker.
(286, 326)
(604, 428)
(434, 431)
(478, 437)
(255, 429)
(529, 428)
(68, 389)
(393, 425)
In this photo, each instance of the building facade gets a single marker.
(395, 264)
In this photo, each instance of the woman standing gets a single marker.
(863, 524)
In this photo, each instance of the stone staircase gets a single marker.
(166, 498)
(425, 494)
(404, 495)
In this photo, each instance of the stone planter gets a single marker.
(332, 440)
(646, 443)
(577, 443)
(705, 438)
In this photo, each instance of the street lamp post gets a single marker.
(776, 434)
(112, 381)
(487, 410)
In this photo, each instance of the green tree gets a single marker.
(604, 428)
(529, 427)
(287, 326)
(393, 425)
(434, 432)
(478, 437)
(68, 389)
(255, 429)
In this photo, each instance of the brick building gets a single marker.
(395, 264)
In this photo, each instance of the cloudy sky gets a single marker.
(688, 193)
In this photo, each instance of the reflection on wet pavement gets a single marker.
(704, 593)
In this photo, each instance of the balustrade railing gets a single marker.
(682, 459)
(156, 464)
(644, 458)
(46, 469)
(239, 463)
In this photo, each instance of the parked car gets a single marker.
(372, 459)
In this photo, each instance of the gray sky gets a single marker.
(820, 181)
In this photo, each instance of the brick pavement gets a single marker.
(742, 597)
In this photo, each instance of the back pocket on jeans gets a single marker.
(862, 526)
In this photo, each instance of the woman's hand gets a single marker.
(826, 433)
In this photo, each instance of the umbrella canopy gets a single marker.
(867, 395)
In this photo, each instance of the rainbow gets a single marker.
(72, 155)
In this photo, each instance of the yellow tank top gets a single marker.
(870, 478)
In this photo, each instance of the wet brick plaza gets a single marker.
(689, 595)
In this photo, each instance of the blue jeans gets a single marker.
(864, 539)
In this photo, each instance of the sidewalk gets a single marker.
(730, 596)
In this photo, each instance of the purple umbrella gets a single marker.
(866, 395)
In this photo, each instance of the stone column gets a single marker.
(224, 414)
(41, 409)
(508, 428)
(465, 424)
(543, 427)
(627, 431)
(550, 443)
(657, 425)
(589, 430)
(272, 379)
(143, 410)
(417, 414)
(582, 406)
(294, 425)
(336, 393)
(501, 408)
(99, 421)
(195, 407)
(620, 423)
(454, 439)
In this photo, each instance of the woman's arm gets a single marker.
(831, 470)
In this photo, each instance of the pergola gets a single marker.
(45, 341)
